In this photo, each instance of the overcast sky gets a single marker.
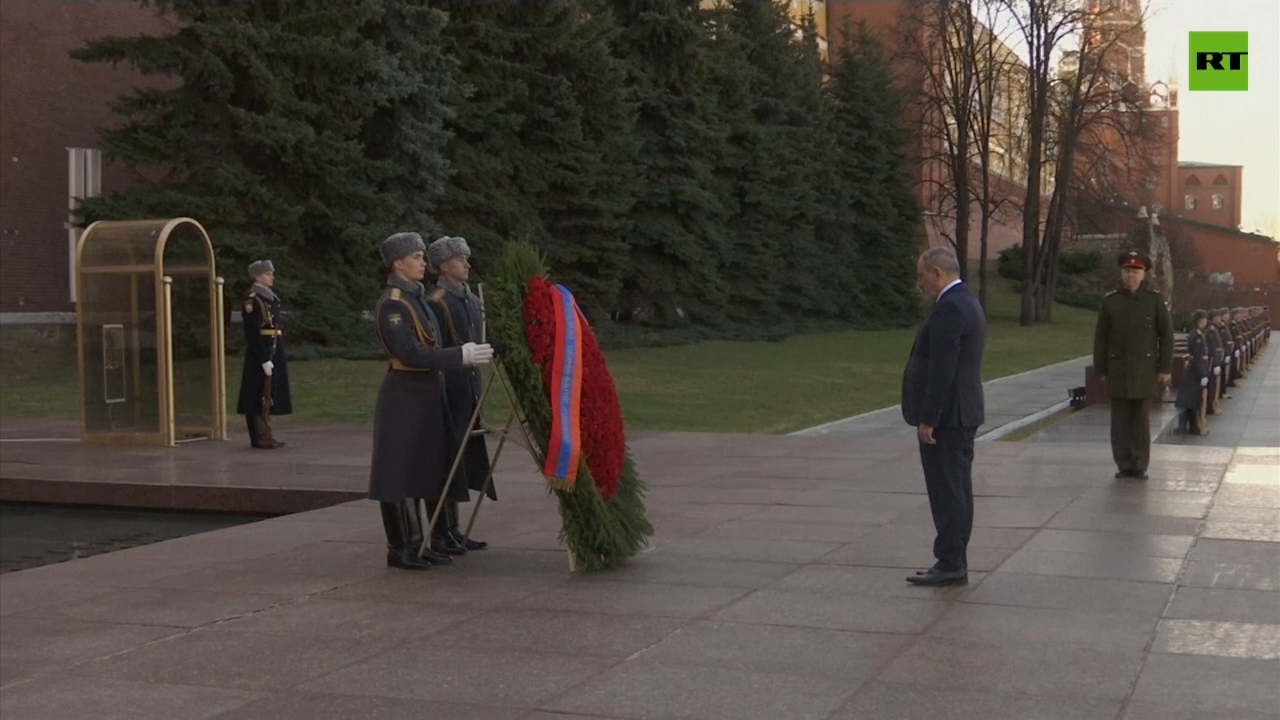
(1235, 128)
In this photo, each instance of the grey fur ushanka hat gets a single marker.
(400, 245)
(260, 267)
(447, 247)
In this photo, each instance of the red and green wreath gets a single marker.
(602, 508)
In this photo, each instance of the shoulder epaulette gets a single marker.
(437, 294)
(395, 293)
(1113, 292)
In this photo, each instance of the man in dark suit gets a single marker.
(942, 398)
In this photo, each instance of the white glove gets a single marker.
(473, 354)
(1217, 371)
(1237, 353)
(267, 367)
(1204, 382)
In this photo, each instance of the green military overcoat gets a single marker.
(1133, 343)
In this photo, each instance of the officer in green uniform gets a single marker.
(1133, 352)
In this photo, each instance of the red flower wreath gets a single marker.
(604, 444)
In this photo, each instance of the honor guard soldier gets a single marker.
(264, 383)
(1240, 355)
(1213, 340)
(1242, 315)
(1228, 354)
(1133, 351)
(1242, 341)
(412, 451)
(1194, 393)
(459, 313)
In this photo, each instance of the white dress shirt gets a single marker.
(950, 285)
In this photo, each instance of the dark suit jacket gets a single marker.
(942, 385)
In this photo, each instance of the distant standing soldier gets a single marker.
(1241, 351)
(459, 313)
(1133, 352)
(264, 359)
(1194, 392)
(1228, 354)
(411, 442)
(1213, 340)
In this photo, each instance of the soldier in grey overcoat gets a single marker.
(458, 310)
(1213, 340)
(264, 356)
(411, 438)
(1193, 393)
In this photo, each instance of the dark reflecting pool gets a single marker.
(32, 535)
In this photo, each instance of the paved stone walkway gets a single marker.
(774, 589)
(1008, 400)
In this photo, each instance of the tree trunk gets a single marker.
(983, 238)
(1031, 207)
(963, 202)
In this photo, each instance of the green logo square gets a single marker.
(1219, 61)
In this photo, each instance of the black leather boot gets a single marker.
(442, 541)
(254, 423)
(455, 532)
(399, 553)
(258, 432)
(409, 514)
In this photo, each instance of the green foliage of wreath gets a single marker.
(600, 534)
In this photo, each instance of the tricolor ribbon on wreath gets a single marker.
(564, 449)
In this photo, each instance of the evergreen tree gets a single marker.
(774, 250)
(587, 206)
(485, 199)
(677, 230)
(264, 139)
(835, 233)
(543, 139)
(868, 118)
(408, 134)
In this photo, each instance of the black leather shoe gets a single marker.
(447, 544)
(467, 543)
(1123, 474)
(406, 559)
(1138, 475)
(936, 577)
(453, 518)
(433, 557)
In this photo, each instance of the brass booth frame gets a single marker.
(110, 254)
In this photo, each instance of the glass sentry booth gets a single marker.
(149, 329)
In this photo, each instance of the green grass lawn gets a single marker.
(764, 387)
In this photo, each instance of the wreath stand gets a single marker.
(477, 428)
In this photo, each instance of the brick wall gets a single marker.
(1251, 259)
(52, 102)
(1201, 183)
